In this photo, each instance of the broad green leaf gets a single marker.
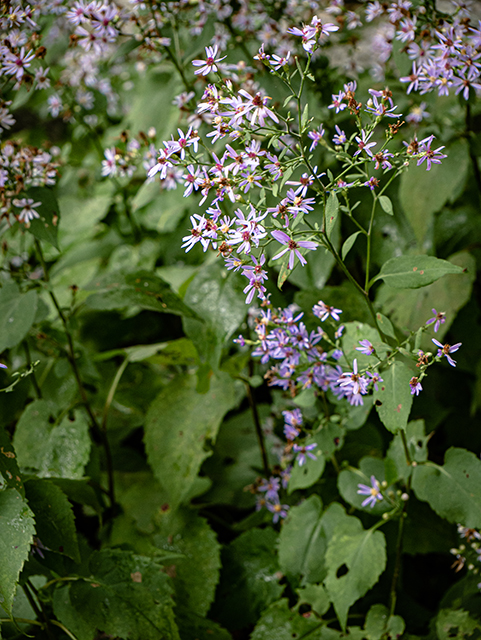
(304, 537)
(379, 624)
(393, 399)
(417, 448)
(422, 192)
(79, 491)
(453, 490)
(456, 623)
(16, 536)
(54, 518)
(196, 574)
(45, 227)
(309, 473)
(386, 205)
(127, 596)
(412, 272)
(192, 625)
(278, 622)
(361, 557)
(179, 423)
(8, 465)
(316, 596)
(17, 313)
(410, 309)
(49, 448)
(425, 531)
(141, 289)
(216, 296)
(349, 243)
(331, 213)
(249, 580)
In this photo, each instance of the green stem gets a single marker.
(405, 446)
(369, 234)
(258, 426)
(397, 566)
(112, 390)
(38, 391)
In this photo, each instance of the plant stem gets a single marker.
(38, 391)
(112, 390)
(70, 352)
(258, 427)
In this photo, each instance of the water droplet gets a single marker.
(10, 319)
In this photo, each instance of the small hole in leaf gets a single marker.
(378, 403)
(342, 571)
(420, 443)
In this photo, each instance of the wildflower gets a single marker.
(292, 246)
(353, 382)
(279, 510)
(15, 64)
(426, 153)
(438, 319)
(366, 347)
(304, 452)
(3, 366)
(270, 488)
(446, 350)
(210, 64)
(340, 137)
(373, 492)
(28, 212)
(323, 311)
(293, 422)
(316, 137)
(415, 385)
(364, 144)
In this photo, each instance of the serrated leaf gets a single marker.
(349, 243)
(127, 596)
(331, 213)
(379, 624)
(54, 519)
(456, 623)
(250, 579)
(141, 289)
(45, 227)
(393, 399)
(178, 425)
(8, 465)
(282, 623)
(453, 490)
(386, 205)
(196, 574)
(17, 313)
(363, 554)
(49, 448)
(316, 596)
(412, 272)
(16, 536)
(304, 537)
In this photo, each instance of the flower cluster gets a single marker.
(468, 553)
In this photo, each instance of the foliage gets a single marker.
(240, 320)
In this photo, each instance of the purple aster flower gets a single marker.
(375, 378)
(353, 382)
(415, 385)
(323, 311)
(271, 488)
(210, 64)
(364, 144)
(285, 476)
(366, 347)
(279, 510)
(446, 350)
(293, 247)
(426, 153)
(3, 366)
(303, 451)
(340, 137)
(373, 492)
(438, 319)
(316, 137)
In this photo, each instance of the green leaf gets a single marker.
(192, 625)
(45, 227)
(456, 623)
(353, 334)
(422, 193)
(393, 399)
(380, 624)
(216, 296)
(249, 580)
(17, 313)
(195, 576)
(278, 622)
(412, 272)
(331, 213)
(179, 424)
(417, 448)
(49, 448)
(304, 537)
(386, 205)
(141, 289)
(127, 596)
(8, 465)
(316, 596)
(349, 243)
(305, 117)
(54, 519)
(363, 554)
(454, 489)
(16, 536)
(79, 491)
(309, 473)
